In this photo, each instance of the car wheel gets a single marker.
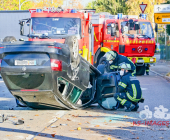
(73, 44)
(9, 39)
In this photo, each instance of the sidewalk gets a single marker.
(161, 67)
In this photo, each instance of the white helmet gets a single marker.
(125, 66)
(111, 55)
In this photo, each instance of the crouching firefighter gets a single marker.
(115, 59)
(129, 90)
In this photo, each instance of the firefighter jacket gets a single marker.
(120, 59)
(131, 86)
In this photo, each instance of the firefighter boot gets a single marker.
(119, 106)
(129, 109)
(136, 107)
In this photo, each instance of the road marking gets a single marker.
(144, 88)
(29, 137)
(6, 99)
(59, 114)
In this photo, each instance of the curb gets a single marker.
(165, 77)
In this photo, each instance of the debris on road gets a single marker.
(79, 128)
(63, 124)
(53, 135)
(54, 126)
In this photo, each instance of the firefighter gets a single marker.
(115, 59)
(129, 90)
(147, 69)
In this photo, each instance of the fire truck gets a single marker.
(128, 35)
(96, 34)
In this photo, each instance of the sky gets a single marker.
(84, 2)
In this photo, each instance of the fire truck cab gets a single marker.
(129, 36)
(62, 26)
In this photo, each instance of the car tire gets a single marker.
(140, 70)
(9, 39)
(73, 44)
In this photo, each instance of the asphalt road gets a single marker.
(94, 122)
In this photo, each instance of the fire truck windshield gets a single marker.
(144, 31)
(56, 26)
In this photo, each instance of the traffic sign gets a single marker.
(164, 8)
(162, 18)
(160, 29)
(143, 7)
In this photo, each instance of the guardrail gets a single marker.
(164, 52)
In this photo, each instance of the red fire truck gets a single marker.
(129, 36)
(96, 34)
(69, 26)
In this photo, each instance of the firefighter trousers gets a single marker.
(147, 68)
(122, 99)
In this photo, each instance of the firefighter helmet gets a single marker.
(125, 66)
(111, 55)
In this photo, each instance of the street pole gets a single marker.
(157, 36)
(19, 5)
(165, 35)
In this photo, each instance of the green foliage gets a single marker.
(168, 29)
(167, 2)
(29, 4)
(111, 6)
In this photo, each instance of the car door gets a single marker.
(106, 87)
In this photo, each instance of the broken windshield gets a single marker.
(145, 29)
(56, 26)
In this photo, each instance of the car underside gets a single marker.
(41, 76)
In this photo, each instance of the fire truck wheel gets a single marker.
(10, 39)
(140, 70)
(73, 44)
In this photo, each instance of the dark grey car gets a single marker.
(41, 75)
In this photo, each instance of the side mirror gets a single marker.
(122, 30)
(156, 28)
(137, 26)
(113, 30)
(90, 28)
(21, 27)
(132, 25)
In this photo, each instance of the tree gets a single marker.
(75, 4)
(111, 6)
(14, 4)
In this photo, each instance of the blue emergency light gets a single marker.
(146, 49)
(119, 15)
(144, 16)
(38, 10)
(73, 11)
(133, 49)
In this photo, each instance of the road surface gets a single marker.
(94, 122)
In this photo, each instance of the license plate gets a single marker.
(140, 61)
(25, 62)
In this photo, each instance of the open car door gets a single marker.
(106, 87)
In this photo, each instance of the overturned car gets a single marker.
(42, 75)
